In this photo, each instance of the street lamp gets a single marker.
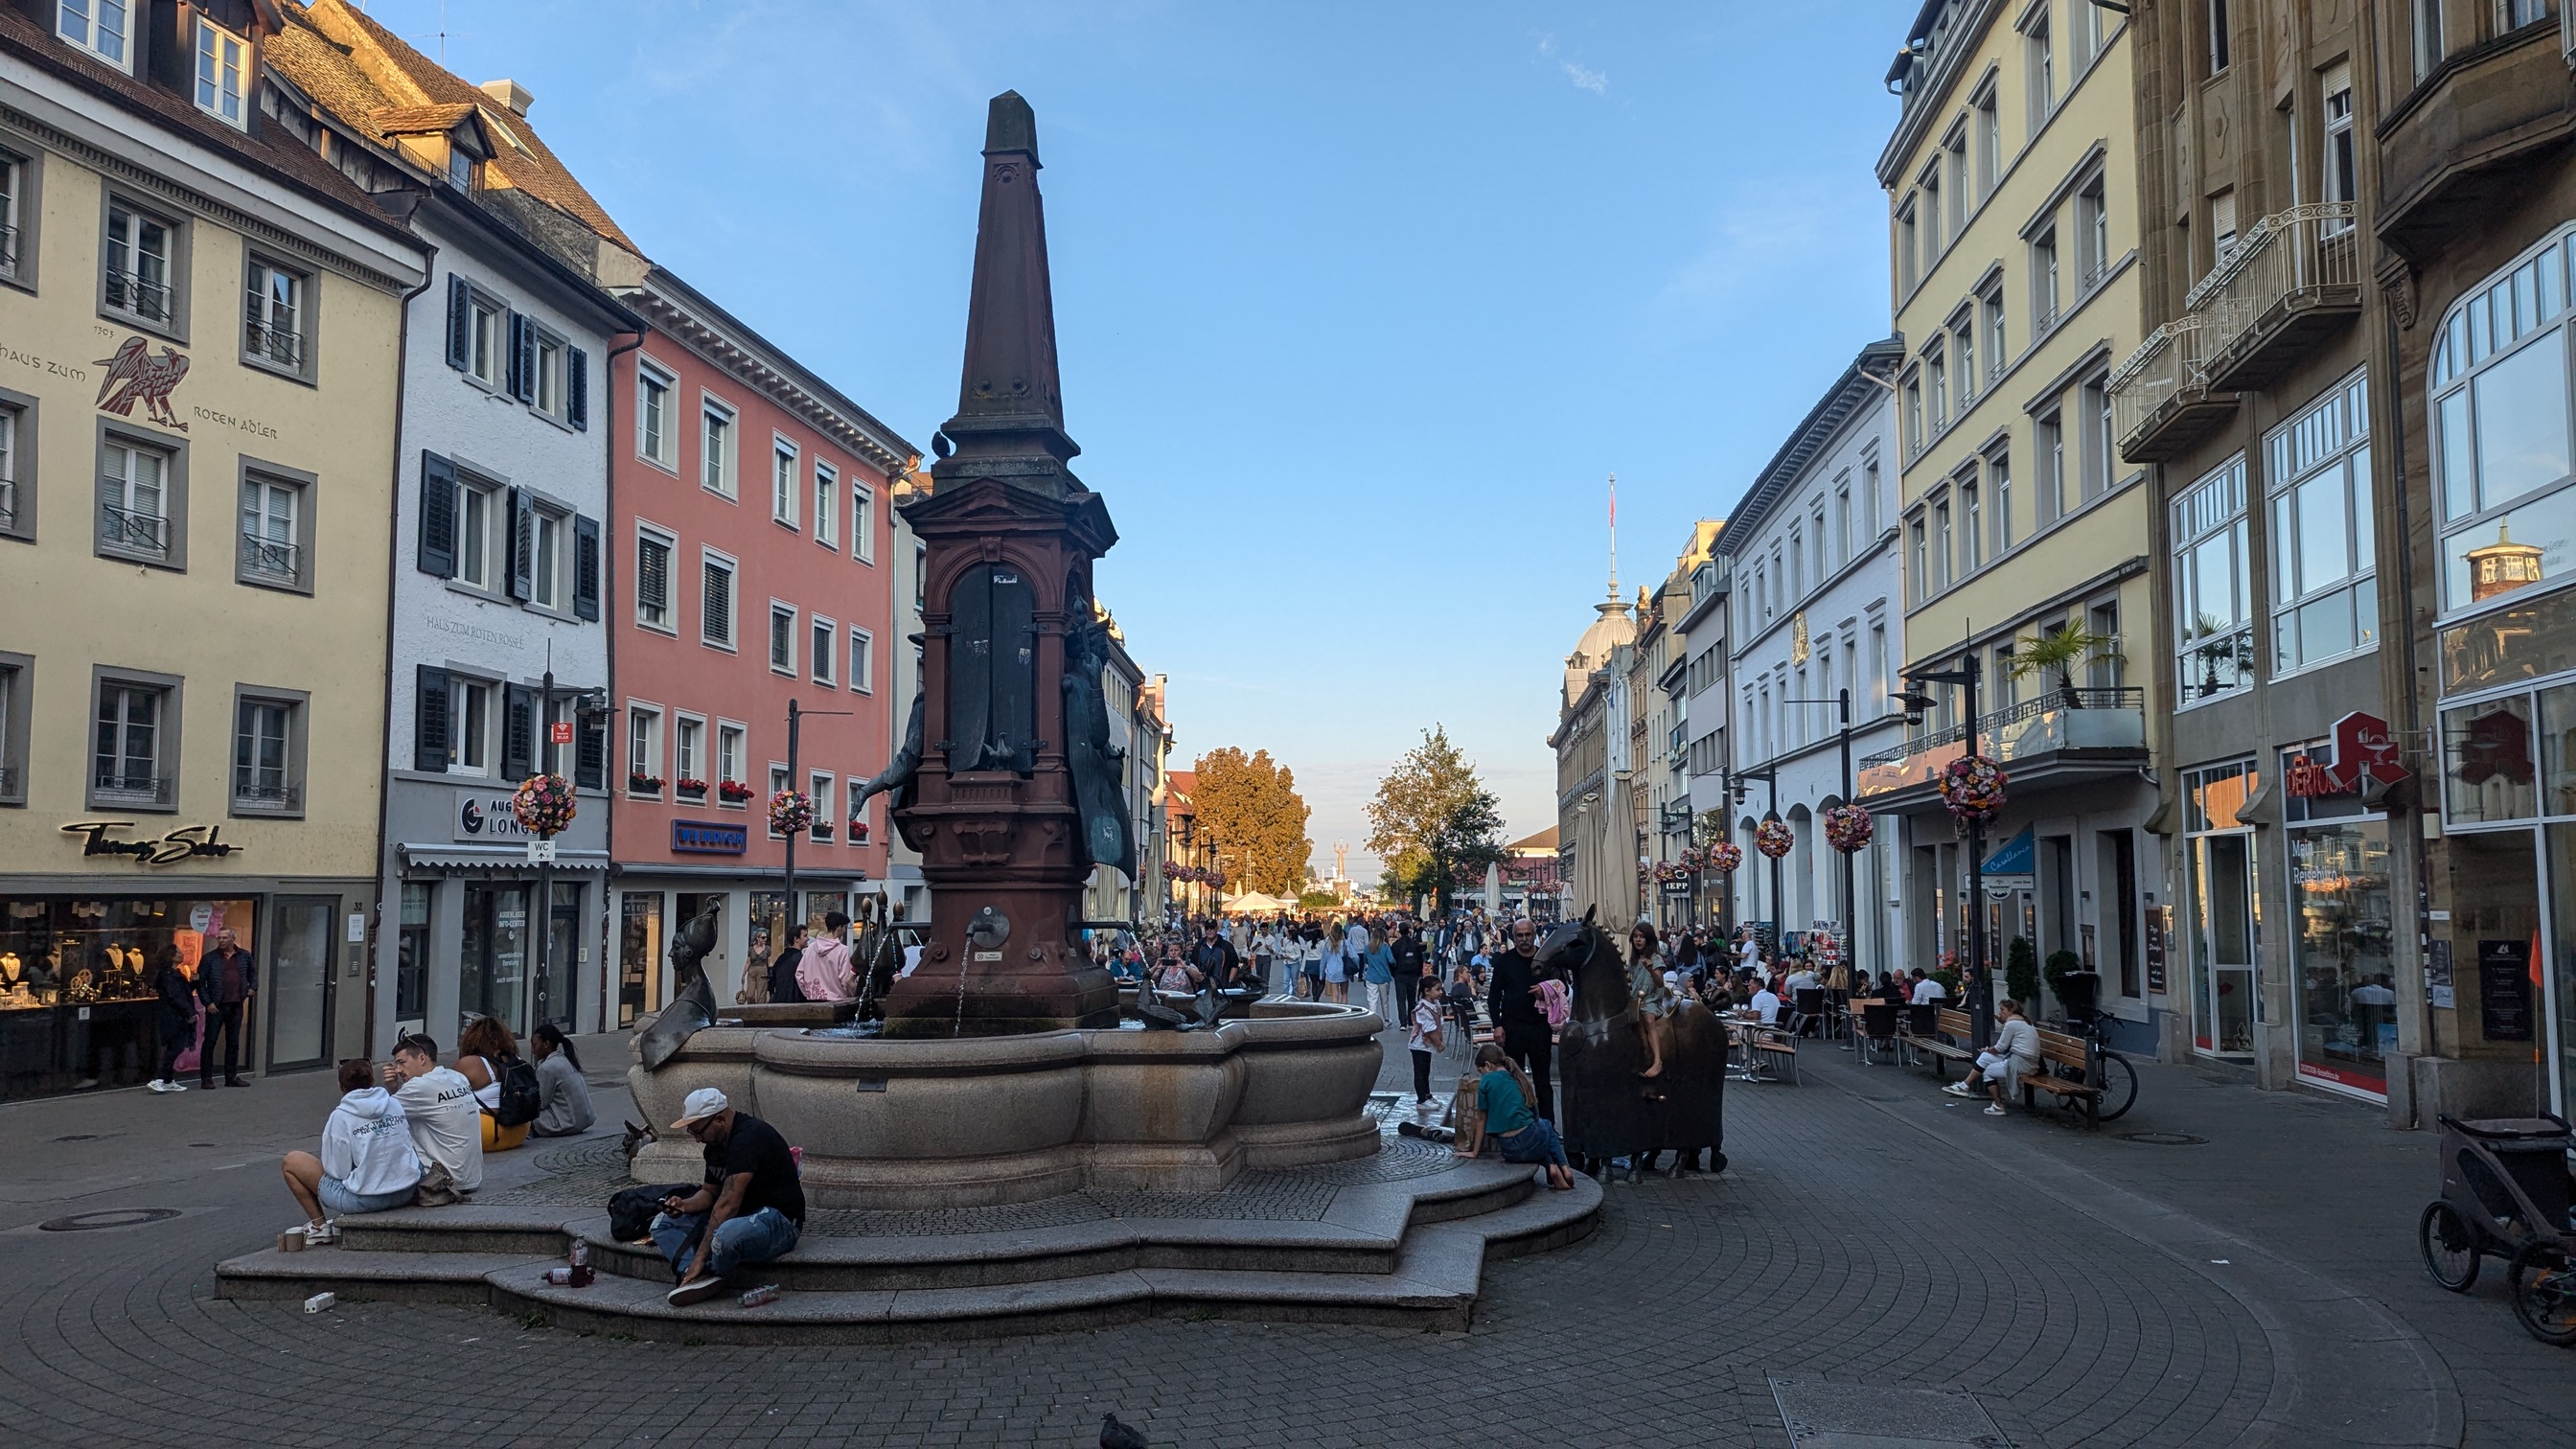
(1851, 903)
(1981, 1010)
(1769, 775)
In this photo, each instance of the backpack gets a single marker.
(521, 1097)
(631, 1210)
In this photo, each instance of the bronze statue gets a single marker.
(992, 672)
(1094, 761)
(693, 1005)
(898, 773)
(1609, 1110)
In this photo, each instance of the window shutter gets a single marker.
(653, 575)
(437, 517)
(523, 545)
(577, 388)
(590, 763)
(523, 359)
(719, 605)
(518, 732)
(585, 568)
(460, 324)
(431, 727)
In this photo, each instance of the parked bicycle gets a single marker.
(2119, 1080)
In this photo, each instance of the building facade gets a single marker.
(1707, 712)
(755, 547)
(197, 427)
(1818, 613)
(1596, 827)
(2010, 180)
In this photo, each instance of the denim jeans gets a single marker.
(1535, 1143)
(762, 1236)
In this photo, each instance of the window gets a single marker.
(271, 540)
(1934, 236)
(1843, 519)
(488, 349)
(104, 28)
(777, 786)
(141, 251)
(920, 575)
(715, 601)
(1945, 545)
(136, 493)
(134, 753)
(863, 653)
(2043, 281)
(268, 755)
(15, 174)
(469, 713)
(2428, 36)
(1936, 377)
(643, 750)
(823, 646)
(825, 825)
(482, 534)
(17, 515)
(689, 748)
(549, 383)
(653, 580)
(1956, 148)
(1921, 571)
(2102, 453)
(2217, 37)
(223, 74)
(729, 756)
(1907, 272)
(1994, 310)
(2325, 592)
(653, 441)
(863, 522)
(2222, 227)
(15, 670)
(715, 448)
(2050, 432)
(1963, 346)
(827, 501)
(782, 637)
(1915, 437)
(1972, 524)
(782, 483)
(2340, 182)
(2501, 430)
(547, 574)
(2213, 585)
(2093, 234)
(2084, 28)
(1990, 141)
(2519, 13)
(276, 305)
(1999, 484)
(2041, 67)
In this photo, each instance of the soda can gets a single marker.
(580, 1255)
(765, 1293)
(320, 1301)
(560, 1277)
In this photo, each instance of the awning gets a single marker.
(496, 857)
(2013, 857)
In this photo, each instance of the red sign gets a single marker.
(563, 731)
(2306, 778)
(2363, 749)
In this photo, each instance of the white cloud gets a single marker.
(1586, 78)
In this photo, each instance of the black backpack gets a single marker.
(631, 1210)
(521, 1097)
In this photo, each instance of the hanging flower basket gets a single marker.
(790, 811)
(543, 805)
(1972, 788)
(1171, 870)
(1848, 828)
(1214, 878)
(1725, 856)
(1773, 839)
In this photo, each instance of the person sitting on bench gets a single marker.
(2015, 1052)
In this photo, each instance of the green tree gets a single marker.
(1252, 806)
(1434, 822)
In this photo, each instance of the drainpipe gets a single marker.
(393, 572)
(607, 545)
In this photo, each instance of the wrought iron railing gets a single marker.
(124, 785)
(2174, 360)
(270, 557)
(8, 504)
(267, 797)
(1994, 724)
(2290, 253)
(9, 250)
(129, 529)
(279, 345)
(135, 293)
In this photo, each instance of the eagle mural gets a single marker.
(134, 375)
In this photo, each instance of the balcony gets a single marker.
(139, 294)
(2063, 737)
(133, 531)
(273, 799)
(269, 558)
(2457, 145)
(2161, 401)
(280, 346)
(2293, 280)
(116, 787)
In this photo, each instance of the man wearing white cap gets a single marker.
(750, 1210)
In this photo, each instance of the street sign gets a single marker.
(541, 852)
(563, 731)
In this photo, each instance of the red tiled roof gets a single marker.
(420, 120)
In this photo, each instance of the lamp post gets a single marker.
(796, 716)
(1769, 775)
(1981, 1010)
(1189, 852)
(1851, 903)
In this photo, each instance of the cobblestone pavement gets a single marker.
(2258, 1288)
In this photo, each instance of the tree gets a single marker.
(1434, 822)
(1251, 805)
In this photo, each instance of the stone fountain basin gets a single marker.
(976, 1121)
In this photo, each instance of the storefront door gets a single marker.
(2224, 875)
(639, 952)
(299, 981)
(493, 971)
(2341, 930)
(556, 983)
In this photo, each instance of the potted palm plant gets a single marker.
(2057, 651)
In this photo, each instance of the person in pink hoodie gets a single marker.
(826, 973)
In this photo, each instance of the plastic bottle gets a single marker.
(320, 1301)
(559, 1277)
(765, 1293)
(580, 1254)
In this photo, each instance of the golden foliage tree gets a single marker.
(1252, 805)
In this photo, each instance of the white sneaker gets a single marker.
(1993, 1111)
(316, 1234)
(176, 1085)
(1959, 1089)
(156, 1085)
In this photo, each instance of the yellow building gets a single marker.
(2010, 182)
(200, 343)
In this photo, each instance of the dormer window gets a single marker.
(104, 28)
(223, 73)
(460, 167)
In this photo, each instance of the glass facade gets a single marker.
(76, 1010)
(2222, 909)
(2341, 928)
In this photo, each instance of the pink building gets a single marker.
(751, 564)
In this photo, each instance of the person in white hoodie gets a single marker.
(367, 1163)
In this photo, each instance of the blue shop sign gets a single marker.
(706, 837)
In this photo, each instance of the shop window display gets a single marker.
(2340, 934)
(76, 1008)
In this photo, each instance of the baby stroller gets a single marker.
(2505, 1191)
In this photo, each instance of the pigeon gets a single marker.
(1115, 1435)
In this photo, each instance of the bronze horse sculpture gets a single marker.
(1609, 1110)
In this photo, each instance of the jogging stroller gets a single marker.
(2505, 1191)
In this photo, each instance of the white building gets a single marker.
(1817, 594)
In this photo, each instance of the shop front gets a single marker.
(469, 907)
(655, 903)
(2341, 926)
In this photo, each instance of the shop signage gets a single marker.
(706, 837)
(2437, 973)
(134, 375)
(562, 731)
(1677, 889)
(2155, 948)
(179, 844)
(2363, 749)
(2504, 990)
(484, 816)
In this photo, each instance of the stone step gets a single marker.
(523, 1230)
(364, 1276)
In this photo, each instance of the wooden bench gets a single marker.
(1947, 1022)
(2057, 1049)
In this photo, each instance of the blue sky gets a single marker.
(1358, 303)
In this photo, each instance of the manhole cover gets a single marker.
(2165, 1139)
(112, 1218)
(1822, 1415)
(78, 1137)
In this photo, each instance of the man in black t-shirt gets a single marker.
(1215, 957)
(751, 1209)
(1411, 960)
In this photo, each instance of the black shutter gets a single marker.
(437, 517)
(653, 576)
(518, 732)
(523, 358)
(523, 545)
(585, 568)
(577, 388)
(431, 728)
(716, 606)
(590, 762)
(460, 324)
